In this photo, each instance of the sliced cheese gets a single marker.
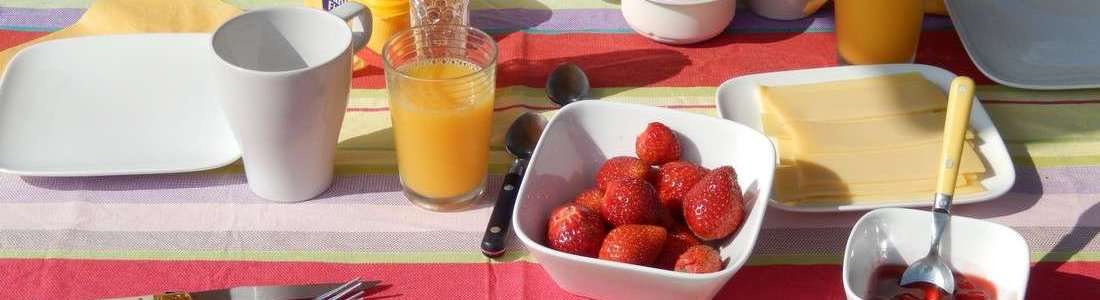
(899, 164)
(879, 133)
(872, 199)
(854, 99)
(788, 185)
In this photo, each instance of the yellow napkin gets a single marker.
(139, 16)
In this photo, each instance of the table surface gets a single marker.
(76, 238)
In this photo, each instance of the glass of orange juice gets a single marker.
(441, 80)
(878, 31)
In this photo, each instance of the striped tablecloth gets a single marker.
(77, 238)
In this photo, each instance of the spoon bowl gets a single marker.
(523, 135)
(567, 84)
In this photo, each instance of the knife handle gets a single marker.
(164, 296)
(492, 244)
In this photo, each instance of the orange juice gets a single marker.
(442, 111)
(878, 31)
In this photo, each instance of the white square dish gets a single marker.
(574, 145)
(112, 105)
(738, 100)
(974, 247)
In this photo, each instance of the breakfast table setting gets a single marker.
(549, 149)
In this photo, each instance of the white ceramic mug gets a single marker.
(283, 77)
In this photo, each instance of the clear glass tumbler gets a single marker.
(878, 31)
(441, 81)
(455, 12)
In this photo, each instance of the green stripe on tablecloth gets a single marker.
(1000, 92)
(475, 4)
(1046, 135)
(311, 256)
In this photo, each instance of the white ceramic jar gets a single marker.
(679, 21)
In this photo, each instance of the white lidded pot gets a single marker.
(679, 21)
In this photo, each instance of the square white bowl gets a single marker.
(738, 100)
(901, 236)
(574, 145)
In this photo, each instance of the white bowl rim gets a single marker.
(1016, 237)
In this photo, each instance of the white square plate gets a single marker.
(1032, 44)
(112, 105)
(739, 101)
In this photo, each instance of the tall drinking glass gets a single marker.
(441, 80)
(878, 31)
(426, 12)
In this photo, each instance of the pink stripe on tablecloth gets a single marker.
(1013, 209)
(83, 279)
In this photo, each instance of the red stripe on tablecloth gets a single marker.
(82, 279)
(10, 38)
(618, 60)
(615, 60)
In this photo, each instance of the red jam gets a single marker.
(885, 285)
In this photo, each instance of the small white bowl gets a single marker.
(785, 9)
(901, 236)
(574, 145)
(678, 21)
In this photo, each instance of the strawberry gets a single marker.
(633, 244)
(699, 259)
(575, 229)
(620, 167)
(591, 198)
(680, 238)
(629, 201)
(657, 144)
(663, 217)
(714, 208)
(675, 179)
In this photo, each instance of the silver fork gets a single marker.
(352, 290)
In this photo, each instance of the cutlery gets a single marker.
(304, 291)
(520, 141)
(567, 84)
(354, 289)
(931, 269)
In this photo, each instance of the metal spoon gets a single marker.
(567, 84)
(520, 140)
(931, 268)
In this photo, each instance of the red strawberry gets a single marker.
(714, 207)
(699, 259)
(634, 244)
(663, 217)
(657, 144)
(620, 167)
(575, 229)
(629, 201)
(591, 198)
(675, 179)
(680, 238)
